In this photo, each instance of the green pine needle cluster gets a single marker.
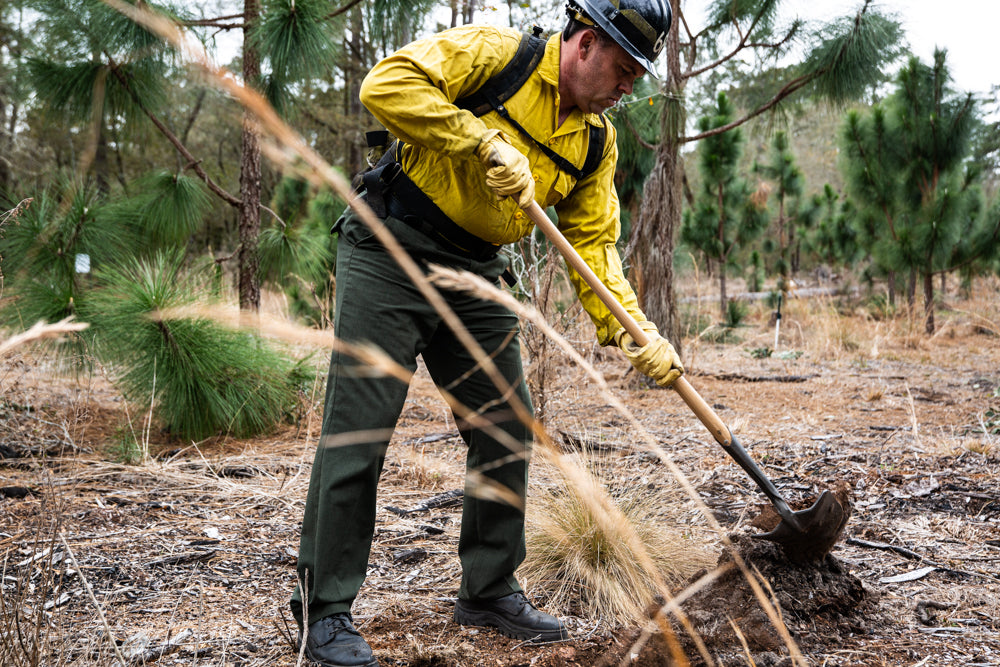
(172, 207)
(291, 33)
(203, 378)
(40, 251)
(850, 54)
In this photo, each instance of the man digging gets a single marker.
(452, 192)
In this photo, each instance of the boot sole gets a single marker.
(324, 663)
(490, 619)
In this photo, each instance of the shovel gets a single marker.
(805, 535)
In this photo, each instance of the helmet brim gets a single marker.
(620, 39)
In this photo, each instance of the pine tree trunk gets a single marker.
(250, 175)
(929, 302)
(782, 244)
(653, 243)
(653, 232)
(6, 142)
(722, 292)
(911, 292)
(102, 166)
(721, 235)
(355, 111)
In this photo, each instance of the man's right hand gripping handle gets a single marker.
(656, 359)
(508, 172)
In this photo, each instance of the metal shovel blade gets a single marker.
(809, 534)
(806, 535)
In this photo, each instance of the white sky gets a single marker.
(968, 29)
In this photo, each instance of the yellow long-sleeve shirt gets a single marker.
(412, 93)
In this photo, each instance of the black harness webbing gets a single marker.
(389, 191)
(502, 86)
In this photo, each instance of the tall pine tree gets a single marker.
(726, 216)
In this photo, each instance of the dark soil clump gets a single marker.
(819, 602)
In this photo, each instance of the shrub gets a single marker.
(202, 378)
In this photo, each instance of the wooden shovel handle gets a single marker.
(701, 409)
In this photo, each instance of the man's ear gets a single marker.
(588, 40)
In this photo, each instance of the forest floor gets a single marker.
(188, 557)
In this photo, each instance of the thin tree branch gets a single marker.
(307, 111)
(741, 46)
(688, 194)
(635, 133)
(194, 114)
(791, 87)
(340, 11)
(220, 260)
(212, 23)
(277, 217)
(357, 53)
(165, 131)
(687, 28)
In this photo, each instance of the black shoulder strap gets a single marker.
(502, 86)
(595, 147)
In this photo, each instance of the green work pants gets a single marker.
(377, 303)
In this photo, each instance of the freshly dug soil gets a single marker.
(818, 601)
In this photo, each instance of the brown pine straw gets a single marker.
(288, 149)
(97, 605)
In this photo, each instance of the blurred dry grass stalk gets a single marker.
(599, 517)
(41, 331)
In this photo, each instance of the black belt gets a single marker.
(389, 191)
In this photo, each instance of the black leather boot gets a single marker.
(333, 642)
(514, 616)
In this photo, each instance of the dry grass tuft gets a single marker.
(423, 470)
(976, 446)
(875, 394)
(589, 572)
(829, 335)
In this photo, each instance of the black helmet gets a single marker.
(639, 26)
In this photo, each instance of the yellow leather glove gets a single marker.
(657, 359)
(508, 172)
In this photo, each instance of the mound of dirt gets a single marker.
(815, 596)
(820, 603)
(818, 599)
